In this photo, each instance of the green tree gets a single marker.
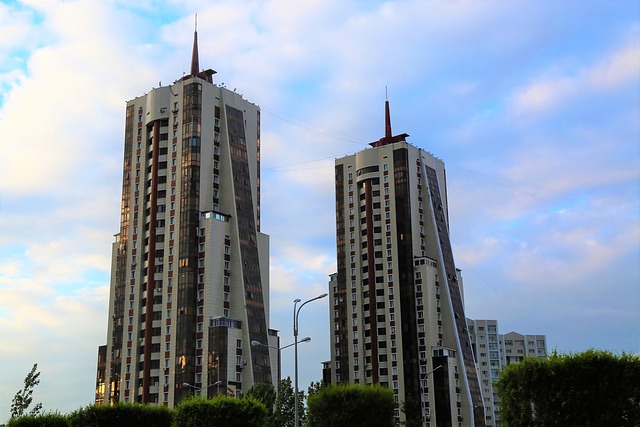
(23, 398)
(412, 412)
(592, 388)
(351, 405)
(284, 413)
(265, 394)
(315, 387)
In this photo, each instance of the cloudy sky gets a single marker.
(533, 105)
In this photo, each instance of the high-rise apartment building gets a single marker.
(397, 311)
(493, 352)
(189, 280)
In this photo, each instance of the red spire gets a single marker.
(387, 120)
(388, 136)
(195, 63)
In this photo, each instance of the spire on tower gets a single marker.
(387, 119)
(388, 136)
(195, 63)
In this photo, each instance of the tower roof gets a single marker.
(388, 138)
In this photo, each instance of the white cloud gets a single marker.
(17, 33)
(617, 69)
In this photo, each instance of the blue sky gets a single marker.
(533, 105)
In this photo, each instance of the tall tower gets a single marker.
(397, 314)
(189, 278)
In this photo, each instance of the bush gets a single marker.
(220, 411)
(593, 388)
(121, 415)
(43, 420)
(351, 405)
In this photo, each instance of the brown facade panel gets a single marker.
(249, 257)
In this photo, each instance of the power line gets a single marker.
(314, 128)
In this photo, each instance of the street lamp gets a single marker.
(255, 343)
(217, 383)
(296, 311)
(422, 380)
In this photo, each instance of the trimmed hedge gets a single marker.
(592, 388)
(44, 420)
(351, 405)
(220, 411)
(121, 415)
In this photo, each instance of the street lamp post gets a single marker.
(424, 423)
(255, 343)
(296, 311)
